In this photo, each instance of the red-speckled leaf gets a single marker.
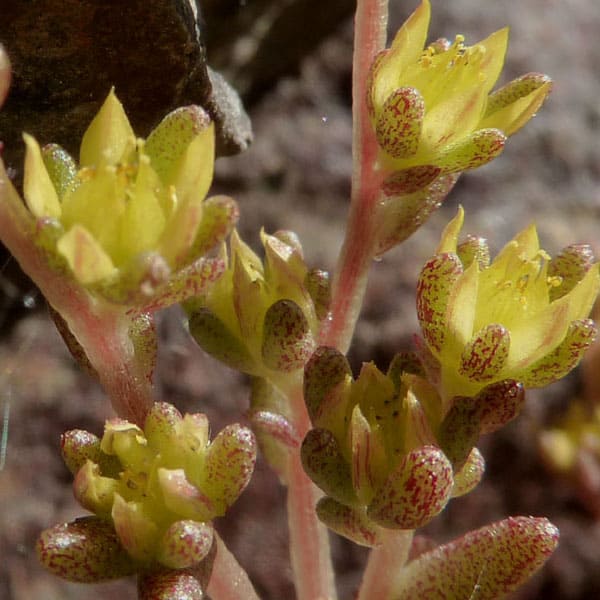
(554, 366)
(469, 475)
(184, 544)
(228, 466)
(570, 266)
(86, 551)
(486, 564)
(400, 216)
(409, 181)
(499, 403)
(219, 216)
(188, 282)
(460, 430)
(77, 447)
(318, 286)
(434, 291)
(325, 375)
(275, 426)
(398, 125)
(474, 249)
(169, 585)
(183, 498)
(287, 340)
(415, 492)
(325, 465)
(214, 337)
(161, 422)
(485, 355)
(474, 151)
(352, 523)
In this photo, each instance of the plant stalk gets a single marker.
(385, 561)
(355, 258)
(228, 580)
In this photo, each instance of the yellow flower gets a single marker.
(160, 486)
(374, 449)
(132, 209)
(522, 317)
(432, 110)
(262, 319)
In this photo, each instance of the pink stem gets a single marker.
(101, 329)
(357, 251)
(228, 580)
(385, 562)
(309, 541)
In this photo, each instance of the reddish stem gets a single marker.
(385, 562)
(101, 329)
(357, 251)
(309, 541)
(228, 581)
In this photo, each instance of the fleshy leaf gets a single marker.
(398, 126)
(486, 564)
(287, 340)
(215, 338)
(228, 466)
(499, 403)
(183, 498)
(184, 544)
(325, 465)
(554, 366)
(169, 585)
(415, 492)
(85, 551)
(436, 282)
(61, 168)
(460, 430)
(469, 475)
(569, 266)
(325, 375)
(411, 180)
(485, 355)
(352, 523)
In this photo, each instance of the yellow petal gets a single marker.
(405, 50)
(98, 204)
(109, 136)
(449, 239)
(88, 261)
(40, 195)
(495, 52)
(143, 220)
(460, 312)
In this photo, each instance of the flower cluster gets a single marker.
(375, 450)
(522, 316)
(434, 115)
(154, 490)
(432, 110)
(262, 319)
(130, 222)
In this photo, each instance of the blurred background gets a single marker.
(291, 62)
